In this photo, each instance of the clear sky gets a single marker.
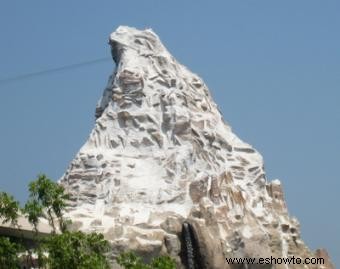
(273, 68)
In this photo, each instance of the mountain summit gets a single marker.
(162, 173)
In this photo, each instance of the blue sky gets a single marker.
(273, 68)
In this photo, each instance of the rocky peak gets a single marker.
(161, 167)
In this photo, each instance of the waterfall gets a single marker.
(189, 243)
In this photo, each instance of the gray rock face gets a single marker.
(160, 155)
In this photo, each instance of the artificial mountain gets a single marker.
(162, 173)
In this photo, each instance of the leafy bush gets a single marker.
(8, 254)
(77, 250)
(163, 262)
(129, 260)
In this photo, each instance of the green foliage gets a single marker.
(129, 260)
(46, 196)
(9, 208)
(8, 254)
(34, 211)
(71, 250)
(163, 262)
(77, 250)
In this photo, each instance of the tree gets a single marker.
(9, 212)
(34, 211)
(77, 250)
(9, 208)
(46, 196)
(129, 260)
(72, 250)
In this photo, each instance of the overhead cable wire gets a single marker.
(53, 70)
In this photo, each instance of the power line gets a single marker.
(53, 70)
